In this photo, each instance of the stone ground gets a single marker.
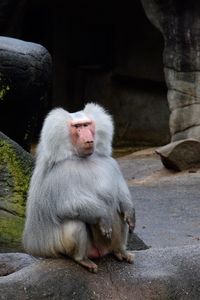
(167, 203)
(167, 211)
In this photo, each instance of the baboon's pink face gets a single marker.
(82, 135)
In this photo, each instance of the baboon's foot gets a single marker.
(87, 263)
(125, 255)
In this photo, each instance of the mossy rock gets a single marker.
(16, 166)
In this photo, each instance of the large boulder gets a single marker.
(181, 155)
(15, 170)
(171, 273)
(25, 76)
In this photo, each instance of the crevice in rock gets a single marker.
(8, 211)
(195, 101)
(185, 129)
(181, 71)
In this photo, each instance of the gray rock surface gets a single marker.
(13, 262)
(171, 273)
(166, 201)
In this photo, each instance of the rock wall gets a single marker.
(179, 23)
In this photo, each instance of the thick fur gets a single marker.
(69, 193)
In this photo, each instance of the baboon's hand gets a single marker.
(105, 228)
(129, 218)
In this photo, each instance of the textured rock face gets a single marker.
(15, 171)
(179, 23)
